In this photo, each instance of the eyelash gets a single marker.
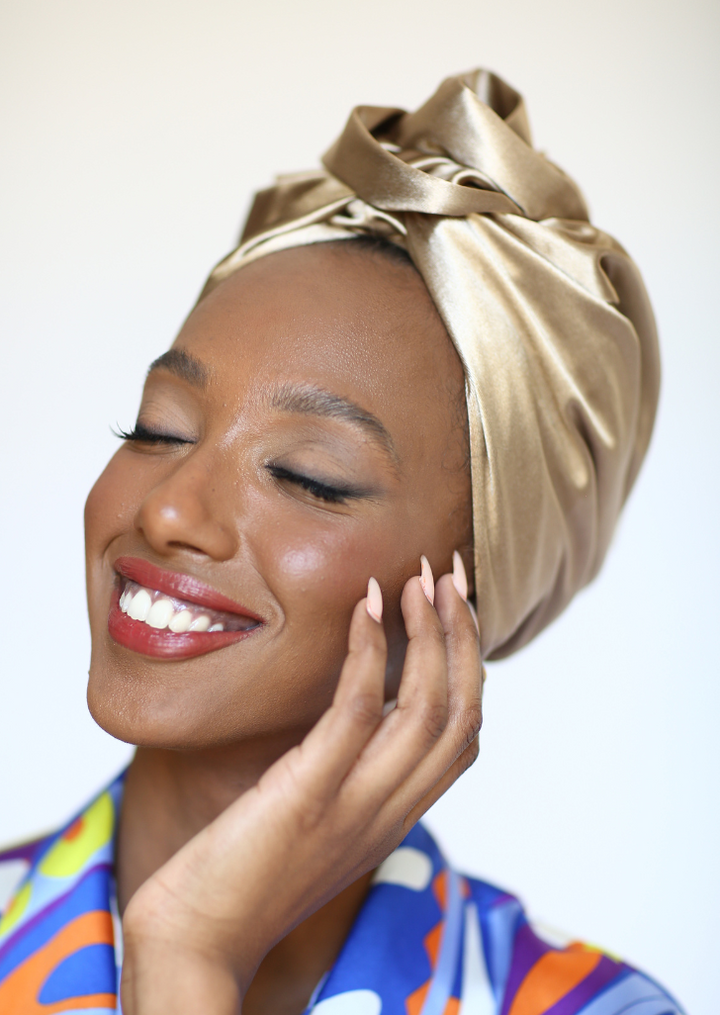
(141, 433)
(332, 494)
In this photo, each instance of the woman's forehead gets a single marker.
(350, 324)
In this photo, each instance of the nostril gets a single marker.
(177, 544)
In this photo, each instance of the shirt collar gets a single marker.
(57, 939)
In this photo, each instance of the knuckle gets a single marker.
(470, 723)
(304, 806)
(371, 651)
(366, 708)
(436, 636)
(470, 754)
(471, 636)
(433, 719)
(466, 642)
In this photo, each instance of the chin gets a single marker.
(189, 705)
(136, 719)
(148, 706)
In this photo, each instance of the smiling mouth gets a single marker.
(163, 623)
(161, 612)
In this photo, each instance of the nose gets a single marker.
(186, 512)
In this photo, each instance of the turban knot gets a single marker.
(548, 314)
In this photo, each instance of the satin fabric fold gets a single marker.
(548, 314)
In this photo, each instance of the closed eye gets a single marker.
(146, 436)
(324, 491)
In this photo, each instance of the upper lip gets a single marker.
(181, 586)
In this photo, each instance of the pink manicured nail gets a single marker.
(459, 576)
(426, 580)
(374, 601)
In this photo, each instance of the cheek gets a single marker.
(317, 571)
(111, 503)
(110, 510)
(103, 520)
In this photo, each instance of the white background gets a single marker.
(132, 135)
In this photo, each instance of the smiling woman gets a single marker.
(421, 360)
(275, 460)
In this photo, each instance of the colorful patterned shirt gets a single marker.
(427, 941)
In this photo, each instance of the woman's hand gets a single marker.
(324, 814)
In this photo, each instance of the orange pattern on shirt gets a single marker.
(432, 941)
(552, 977)
(19, 992)
(414, 1003)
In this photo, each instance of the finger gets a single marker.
(332, 746)
(439, 766)
(424, 675)
(419, 718)
(462, 642)
(464, 696)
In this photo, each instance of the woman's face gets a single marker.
(305, 431)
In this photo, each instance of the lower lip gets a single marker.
(149, 641)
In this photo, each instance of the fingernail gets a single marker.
(426, 580)
(474, 615)
(459, 576)
(374, 601)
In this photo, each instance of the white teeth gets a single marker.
(181, 622)
(139, 608)
(159, 611)
(160, 614)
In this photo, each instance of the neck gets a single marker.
(169, 797)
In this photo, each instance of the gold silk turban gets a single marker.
(548, 314)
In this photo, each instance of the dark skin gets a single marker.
(164, 808)
(252, 476)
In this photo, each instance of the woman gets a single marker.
(421, 360)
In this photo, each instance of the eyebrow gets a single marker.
(312, 401)
(303, 399)
(184, 365)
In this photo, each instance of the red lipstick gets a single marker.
(183, 586)
(162, 643)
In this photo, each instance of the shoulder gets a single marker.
(533, 971)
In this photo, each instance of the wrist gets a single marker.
(175, 962)
(162, 977)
